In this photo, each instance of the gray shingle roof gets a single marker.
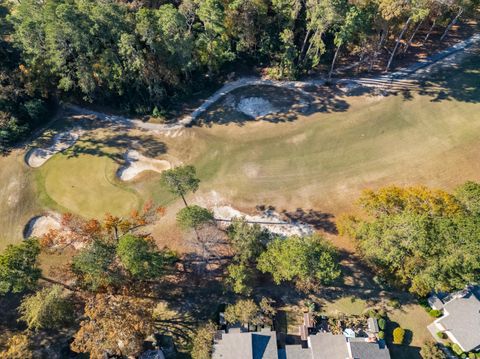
(362, 349)
(462, 320)
(328, 346)
(252, 345)
(297, 352)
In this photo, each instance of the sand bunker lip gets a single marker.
(61, 141)
(135, 163)
(38, 226)
(269, 220)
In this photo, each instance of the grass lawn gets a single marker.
(414, 319)
(347, 305)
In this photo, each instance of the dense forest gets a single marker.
(141, 56)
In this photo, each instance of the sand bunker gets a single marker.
(255, 107)
(61, 141)
(41, 225)
(269, 220)
(135, 163)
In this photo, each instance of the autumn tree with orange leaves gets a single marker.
(116, 325)
(77, 232)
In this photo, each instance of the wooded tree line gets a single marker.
(140, 56)
(22, 107)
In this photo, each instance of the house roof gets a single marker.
(361, 349)
(251, 345)
(295, 352)
(462, 319)
(435, 302)
(328, 346)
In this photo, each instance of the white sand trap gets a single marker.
(137, 163)
(269, 220)
(255, 107)
(41, 225)
(61, 141)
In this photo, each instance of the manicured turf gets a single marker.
(91, 184)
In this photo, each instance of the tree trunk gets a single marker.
(300, 57)
(429, 32)
(309, 47)
(383, 36)
(333, 63)
(409, 42)
(453, 22)
(184, 201)
(397, 43)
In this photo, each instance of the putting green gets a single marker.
(86, 185)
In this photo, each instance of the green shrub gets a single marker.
(463, 356)
(381, 335)
(398, 335)
(435, 313)
(471, 355)
(382, 323)
(441, 335)
(456, 349)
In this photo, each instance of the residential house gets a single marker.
(239, 343)
(337, 346)
(461, 318)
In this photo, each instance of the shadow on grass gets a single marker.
(318, 219)
(147, 145)
(288, 103)
(404, 352)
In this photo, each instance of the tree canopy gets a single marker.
(19, 270)
(419, 238)
(141, 258)
(248, 240)
(94, 266)
(308, 260)
(194, 217)
(180, 181)
(115, 325)
(49, 308)
(247, 311)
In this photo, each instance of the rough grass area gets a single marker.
(18, 199)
